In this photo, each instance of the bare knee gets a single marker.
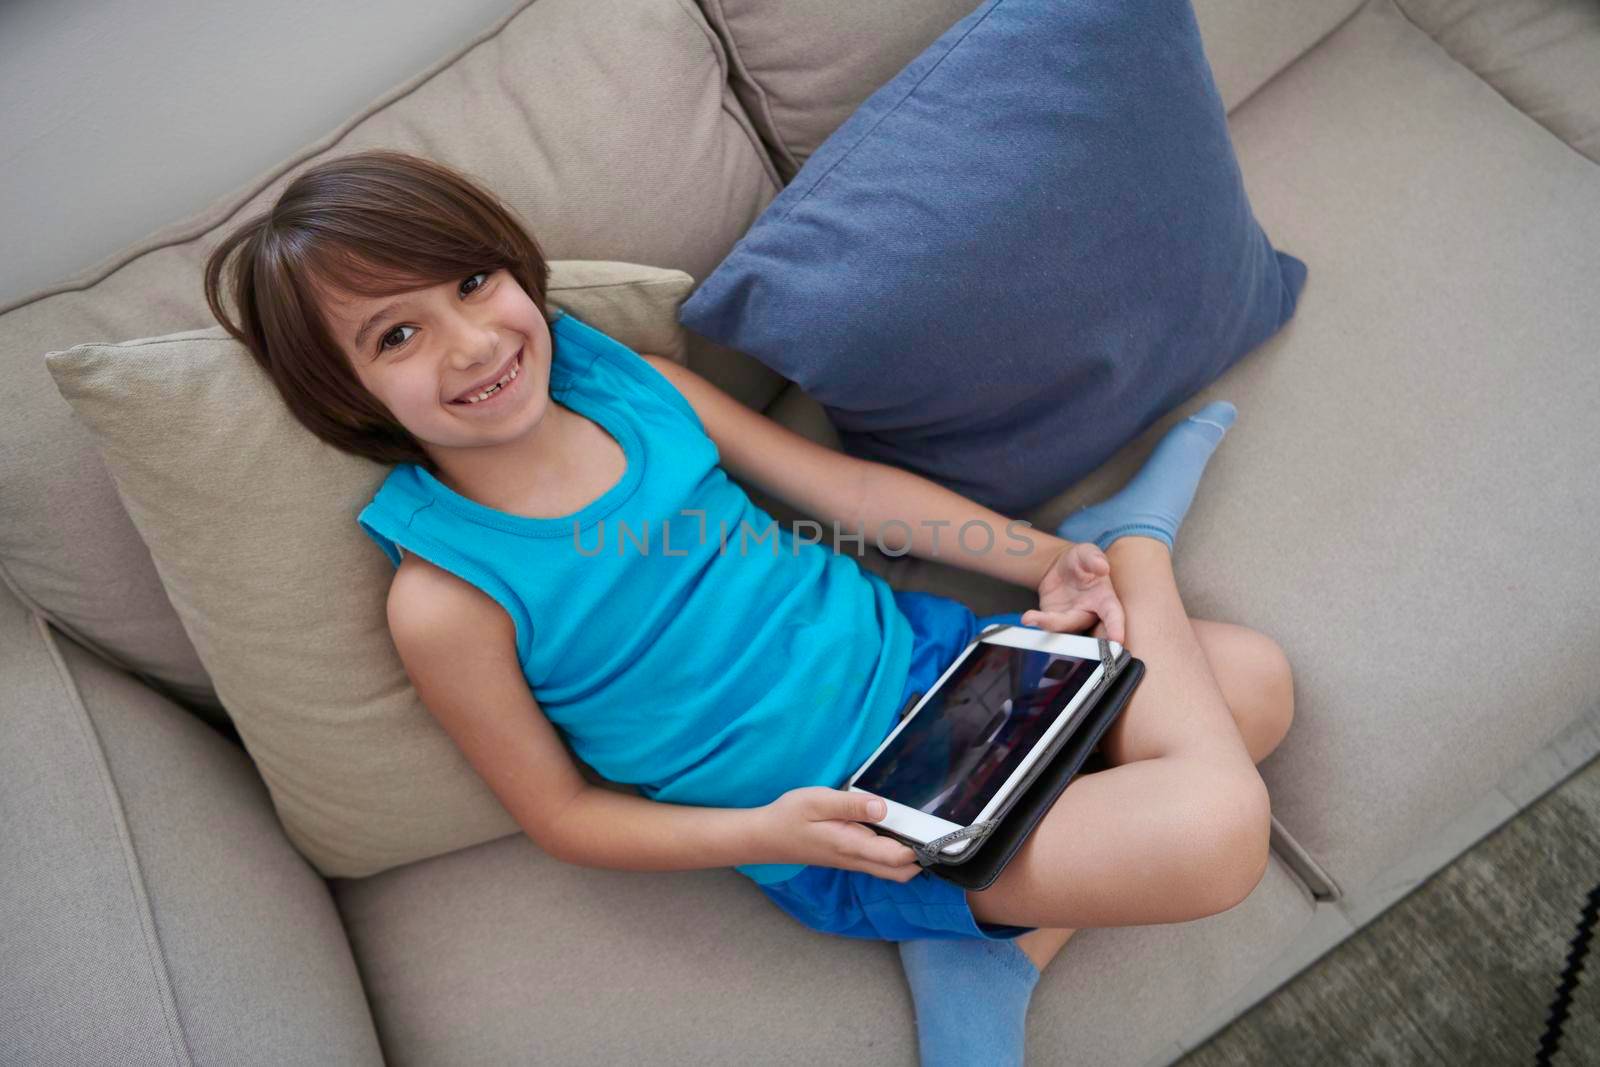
(1254, 674)
(1279, 685)
(1234, 854)
(1263, 716)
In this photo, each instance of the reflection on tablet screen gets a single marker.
(954, 754)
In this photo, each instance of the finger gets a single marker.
(900, 855)
(896, 857)
(856, 842)
(877, 871)
(870, 809)
(885, 851)
(893, 874)
(1116, 622)
(853, 807)
(901, 874)
(1092, 562)
(1112, 623)
(1059, 621)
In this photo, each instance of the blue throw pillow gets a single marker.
(1016, 255)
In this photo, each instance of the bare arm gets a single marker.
(807, 825)
(905, 510)
(603, 828)
(889, 506)
(459, 650)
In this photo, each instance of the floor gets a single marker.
(1463, 969)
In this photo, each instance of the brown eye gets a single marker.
(383, 342)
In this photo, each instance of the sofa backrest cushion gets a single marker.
(801, 67)
(609, 128)
(1542, 55)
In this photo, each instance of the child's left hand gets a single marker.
(1076, 591)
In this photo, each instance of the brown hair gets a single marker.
(373, 224)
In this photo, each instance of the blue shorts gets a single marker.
(857, 904)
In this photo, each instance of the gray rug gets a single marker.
(1461, 971)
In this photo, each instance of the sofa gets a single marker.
(1407, 504)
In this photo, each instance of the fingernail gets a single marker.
(877, 809)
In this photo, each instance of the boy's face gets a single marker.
(428, 348)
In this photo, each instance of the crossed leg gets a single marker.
(1256, 681)
(1176, 828)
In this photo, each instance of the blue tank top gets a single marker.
(680, 640)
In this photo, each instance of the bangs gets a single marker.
(381, 224)
(379, 268)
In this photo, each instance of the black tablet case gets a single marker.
(980, 865)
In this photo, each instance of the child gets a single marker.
(572, 556)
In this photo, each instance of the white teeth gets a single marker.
(487, 393)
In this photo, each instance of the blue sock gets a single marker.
(972, 997)
(1155, 501)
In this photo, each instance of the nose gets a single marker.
(473, 346)
(467, 358)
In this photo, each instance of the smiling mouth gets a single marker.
(509, 378)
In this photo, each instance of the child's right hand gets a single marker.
(822, 826)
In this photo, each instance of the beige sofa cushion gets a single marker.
(636, 304)
(1542, 55)
(698, 967)
(609, 128)
(802, 66)
(251, 521)
(150, 905)
(1416, 468)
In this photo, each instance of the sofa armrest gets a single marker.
(152, 910)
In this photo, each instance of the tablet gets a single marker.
(966, 748)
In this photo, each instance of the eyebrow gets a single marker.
(376, 317)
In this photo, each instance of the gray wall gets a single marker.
(120, 116)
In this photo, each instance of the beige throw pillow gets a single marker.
(251, 522)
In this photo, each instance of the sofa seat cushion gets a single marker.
(1412, 508)
(610, 129)
(500, 954)
(1409, 499)
(152, 910)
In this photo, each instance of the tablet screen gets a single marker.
(955, 754)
